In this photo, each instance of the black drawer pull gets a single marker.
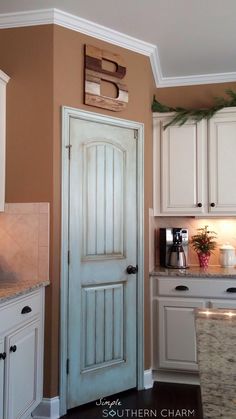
(232, 289)
(13, 348)
(26, 310)
(3, 355)
(181, 288)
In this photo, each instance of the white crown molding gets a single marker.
(4, 77)
(197, 79)
(78, 24)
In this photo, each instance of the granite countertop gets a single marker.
(196, 271)
(11, 287)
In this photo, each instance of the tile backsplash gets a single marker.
(24, 241)
(224, 227)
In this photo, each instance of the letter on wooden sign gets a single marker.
(95, 74)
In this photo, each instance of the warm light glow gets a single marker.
(218, 313)
(205, 312)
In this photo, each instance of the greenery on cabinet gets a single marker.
(182, 115)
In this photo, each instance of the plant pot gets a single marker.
(203, 260)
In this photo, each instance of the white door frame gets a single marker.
(68, 113)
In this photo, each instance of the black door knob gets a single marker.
(13, 348)
(199, 204)
(3, 355)
(132, 269)
(213, 204)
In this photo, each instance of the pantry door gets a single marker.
(103, 242)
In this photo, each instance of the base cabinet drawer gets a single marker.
(176, 333)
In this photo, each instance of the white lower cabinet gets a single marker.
(21, 353)
(174, 300)
(177, 341)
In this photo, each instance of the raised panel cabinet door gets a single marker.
(177, 340)
(222, 162)
(180, 155)
(23, 371)
(2, 362)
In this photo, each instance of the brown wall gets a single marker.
(45, 64)
(46, 68)
(195, 97)
(68, 90)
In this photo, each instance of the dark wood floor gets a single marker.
(164, 400)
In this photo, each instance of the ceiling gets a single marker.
(195, 39)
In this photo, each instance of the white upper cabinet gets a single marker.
(222, 162)
(3, 82)
(194, 165)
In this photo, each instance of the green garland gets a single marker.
(182, 115)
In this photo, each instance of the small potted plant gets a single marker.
(204, 242)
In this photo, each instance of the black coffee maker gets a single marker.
(174, 248)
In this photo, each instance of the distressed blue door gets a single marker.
(103, 242)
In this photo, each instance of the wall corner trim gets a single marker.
(47, 409)
(148, 379)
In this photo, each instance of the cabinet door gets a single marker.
(176, 336)
(23, 370)
(222, 163)
(2, 361)
(182, 159)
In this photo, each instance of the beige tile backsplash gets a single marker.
(24, 241)
(224, 227)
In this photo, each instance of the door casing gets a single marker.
(68, 113)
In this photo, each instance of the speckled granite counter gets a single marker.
(195, 271)
(216, 334)
(13, 287)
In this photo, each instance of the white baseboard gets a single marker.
(47, 409)
(148, 380)
(176, 377)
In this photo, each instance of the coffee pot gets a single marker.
(177, 258)
(227, 256)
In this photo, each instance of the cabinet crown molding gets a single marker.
(4, 77)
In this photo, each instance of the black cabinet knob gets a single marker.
(232, 289)
(132, 269)
(26, 310)
(199, 204)
(13, 348)
(3, 355)
(181, 288)
(213, 204)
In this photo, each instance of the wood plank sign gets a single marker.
(95, 74)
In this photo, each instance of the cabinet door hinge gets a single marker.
(68, 257)
(69, 150)
(67, 366)
(136, 134)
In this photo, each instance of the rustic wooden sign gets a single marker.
(95, 74)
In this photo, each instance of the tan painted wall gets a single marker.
(68, 90)
(46, 68)
(45, 64)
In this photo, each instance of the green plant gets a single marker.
(204, 241)
(182, 115)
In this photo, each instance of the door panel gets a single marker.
(103, 242)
